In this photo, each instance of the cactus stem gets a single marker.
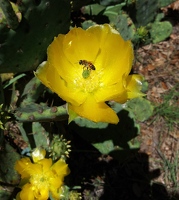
(60, 114)
(9, 13)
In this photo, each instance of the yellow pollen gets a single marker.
(89, 84)
(39, 180)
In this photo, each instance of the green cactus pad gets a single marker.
(125, 26)
(87, 23)
(40, 112)
(10, 13)
(93, 9)
(121, 21)
(87, 123)
(145, 11)
(41, 136)
(113, 138)
(140, 109)
(25, 48)
(160, 31)
(32, 90)
(34, 134)
(163, 3)
(8, 156)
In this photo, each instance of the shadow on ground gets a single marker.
(104, 178)
(132, 180)
(122, 174)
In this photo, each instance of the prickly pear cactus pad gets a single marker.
(89, 99)
(24, 48)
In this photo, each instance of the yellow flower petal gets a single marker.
(41, 73)
(22, 167)
(58, 60)
(109, 92)
(97, 112)
(56, 193)
(35, 169)
(65, 61)
(116, 55)
(45, 163)
(60, 168)
(122, 98)
(41, 193)
(134, 86)
(65, 90)
(56, 183)
(79, 44)
(27, 192)
(51, 79)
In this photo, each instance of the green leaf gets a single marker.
(11, 81)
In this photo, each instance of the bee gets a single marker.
(88, 65)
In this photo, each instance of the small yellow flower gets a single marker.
(41, 178)
(87, 68)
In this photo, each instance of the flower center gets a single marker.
(39, 180)
(89, 79)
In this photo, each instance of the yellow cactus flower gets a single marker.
(40, 179)
(87, 68)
